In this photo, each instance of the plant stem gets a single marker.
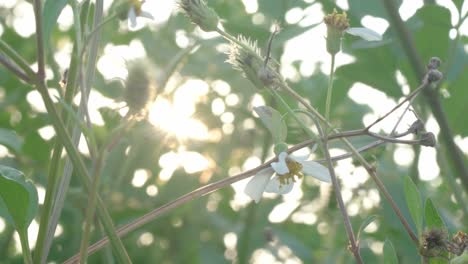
(368, 168)
(91, 207)
(52, 196)
(137, 223)
(39, 39)
(339, 198)
(330, 87)
(433, 100)
(63, 135)
(14, 69)
(23, 235)
(17, 59)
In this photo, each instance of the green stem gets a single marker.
(330, 87)
(23, 235)
(91, 207)
(52, 198)
(39, 39)
(64, 137)
(19, 61)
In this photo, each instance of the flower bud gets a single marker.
(428, 139)
(280, 147)
(200, 14)
(434, 63)
(139, 88)
(336, 26)
(434, 75)
(417, 127)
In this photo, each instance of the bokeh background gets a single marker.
(201, 128)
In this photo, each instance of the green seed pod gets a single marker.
(248, 60)
(200, 14)
(139, 88)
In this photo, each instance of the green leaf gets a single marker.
(365, 223)
(18, 197)
(273, 121)
(433, 219)
(414, 203)
(390, 256)
(52, 10)
(11, 140)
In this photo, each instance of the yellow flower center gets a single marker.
(295, 168)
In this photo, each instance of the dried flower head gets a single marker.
(336, 26)
(200, 14)
(458, 244)
(433, 242)
(139, 88)
(337, 21)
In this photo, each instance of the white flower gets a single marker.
(134, 12)
(284, 171)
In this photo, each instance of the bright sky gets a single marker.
(179, 109)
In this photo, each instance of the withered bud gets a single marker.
(200, 14)
(269, 236)
(428, 139)
(433, 242)
(417, 127)
(139, 87)
(434, 63)
(458, 244)
(434, 75)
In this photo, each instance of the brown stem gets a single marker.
(433, 100)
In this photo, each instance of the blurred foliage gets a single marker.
(196, 232)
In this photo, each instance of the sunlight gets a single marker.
(176, 117)
(23, 21)
(140, 177)
(2, 225)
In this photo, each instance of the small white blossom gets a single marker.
(283, 173)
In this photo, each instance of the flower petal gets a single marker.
(365, 33)
(256, 186)
(132, 17)
(274, 186)
(299, 158)
(146, 14)
(281, 167)
(316, 170)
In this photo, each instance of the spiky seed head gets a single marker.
(200, 14)
(433, 242)
(139, 87)
(248, 60)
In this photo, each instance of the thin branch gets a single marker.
(336, 186)
(39, 39)
(433, 100)
(14, 69)
(123, 230)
